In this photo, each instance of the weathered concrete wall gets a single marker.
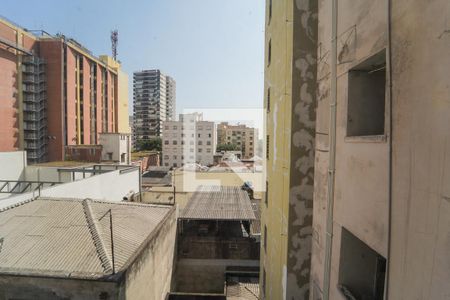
(290, 100)
(362, 166)
(17, 287)
(149, 277)
(420, 242)
(204, 275)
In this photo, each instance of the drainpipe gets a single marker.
(389, 97)
(332, 154)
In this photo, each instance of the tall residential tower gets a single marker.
(154, 97)
(55, 93)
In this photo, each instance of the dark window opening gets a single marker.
(361, 269)
(366, 97)
(269, 53)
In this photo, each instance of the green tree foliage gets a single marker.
(227, 147)
(153, 144)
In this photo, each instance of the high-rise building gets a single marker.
(290, 102)
(154, 96)
(189, 140)
(55, 93)
(357, 200)
(243, 137)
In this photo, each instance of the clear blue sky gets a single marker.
(213, 48)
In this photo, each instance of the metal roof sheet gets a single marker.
(64, 237)
(218, 203)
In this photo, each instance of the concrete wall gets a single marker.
(122, 109)
(361, 177)
(420, 241)
(111, 186)
(20, 287)
(149, 277)
(204, 275)
(13, 165)
(118, 145)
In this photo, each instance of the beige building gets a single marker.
(116, 147)
(245, 138)
(381, 208)
(188, 141)
(378, 224)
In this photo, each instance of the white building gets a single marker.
(189, 140)
(116, 147)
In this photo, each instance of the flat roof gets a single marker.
(229, 203)
(57, 237)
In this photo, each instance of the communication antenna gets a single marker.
(114, 42)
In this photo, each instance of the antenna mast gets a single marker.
(114, 42)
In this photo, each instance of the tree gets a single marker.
(227, 147)
(153, 144)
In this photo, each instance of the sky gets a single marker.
(214, 49)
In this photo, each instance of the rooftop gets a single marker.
(229, 203)
(65, 238)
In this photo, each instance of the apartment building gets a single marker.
(381, 221)
(55, 93)
(245, 138)
(154, 97)
(357, 195)
(290, 101)
(189, 140)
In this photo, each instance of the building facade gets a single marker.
(154, 96)
(189, 140)
(382, 168)
(116, 147)
(290, 102)
(245, 138)
(373, 149)
(56, 93)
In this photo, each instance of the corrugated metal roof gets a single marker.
(242, 290)
(64, 237)
(218, 203)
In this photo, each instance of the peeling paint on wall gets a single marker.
(302, 149)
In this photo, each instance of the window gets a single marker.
(191, 142)
(166, 164)
(174, 142)
(270, 11)
(175, 165)
(199, 135)
(208, 150)
(361, 269)
(182, 142)
(166, 142)
(367, 97)
(208, 143)
(266, 195)
(199, 150)
(267, 146)
(269, 52)
(166, 156)
(174, 157)
(200, 143)
(191, 150)
(265, 238)
(166, 127)
(200, 127)
(268, 101)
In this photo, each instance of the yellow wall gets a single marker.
(290, 123)
(122, 85)
(123, 115)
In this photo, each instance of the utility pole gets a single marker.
(112, 237)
